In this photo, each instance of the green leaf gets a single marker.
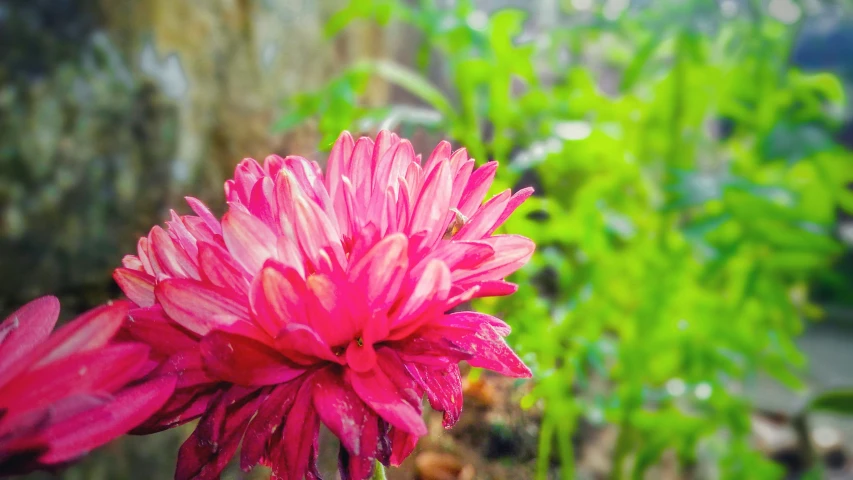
(641, 57)
(289, 121)
(834, 401)
(411, 81)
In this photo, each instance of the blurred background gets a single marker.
(689, 311)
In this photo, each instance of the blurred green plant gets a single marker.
(688, 184)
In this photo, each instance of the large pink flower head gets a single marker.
(324, 299)
(64, 394)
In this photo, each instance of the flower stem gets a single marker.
(378, 472)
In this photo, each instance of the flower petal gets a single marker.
(245, 361)
(486, 345)
(402, 445)
(138, 286)
(218, 267)
(87, 332)
(337, 166)
(249, 240)
(511, 253)
(432, 208)
(300, 432)
(151, 327)
(381, 271)
(428, 296)
(517, 199)
(387, 399)
(478, 184)
(198, 307)
(81, 433)
(22, 331)
(343, 412)
(208, 450)
(277, 297)
(104, 369)
(271, 413)
(301, 344)
(443, 387)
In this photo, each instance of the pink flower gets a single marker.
(64, 394)
(323, 299)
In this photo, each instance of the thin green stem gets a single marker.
(543, 457)
(620, 453)
(379, 471)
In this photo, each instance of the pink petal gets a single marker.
(24, 330)
(151, 327)
(300, 431)
(185, 405)
(494, 288)
(316, 232)
(181, 234)
(85, 432)
(208, 450)
(431, 290)
(132, 262)
(138, 286)
(439, 156)
(387, 399)
(487, 347)
(172, 259)
(289, 254)
(443, 387)
(431, 352)
(381, 271)
(384, 167)
(273, 164)
(337, 164)
(391, 364)
(260, 205)
(301, 344)
(385, 140)
(433, 205)
(461, 176)
(271, 413)
(475, 191)
(511, 253)
(517, 199)
(354, 467)
(328, 303)
(401, 157)
(473, 320)
(246, 174)
(277, 297)
(361, 358)
(202, 211)
(343, 412)
(460, 255)
(360, 170)
(101, 370)
(188, 366)
(198, 307)
(402, 445)
(481, 223)
(249, 240)
(87, 332)
(219, 268)
(245, 361)
(144, 257)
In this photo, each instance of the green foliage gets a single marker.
(689, 186)
(834, 401)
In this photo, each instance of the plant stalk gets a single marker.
(378, 471)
